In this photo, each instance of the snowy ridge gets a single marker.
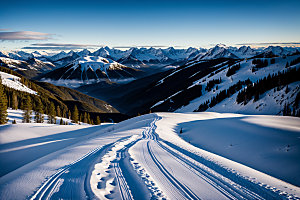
(13, 81)
(158, 54)
(96, 62)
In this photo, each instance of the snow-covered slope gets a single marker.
(147, 158)
(29, 68)
(12, 81)
(271, 102)
(92, 69)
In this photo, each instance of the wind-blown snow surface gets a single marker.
(218, 156)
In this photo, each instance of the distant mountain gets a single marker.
(218, 51)
(250, 86)
(29, 68)
(93, 68)
(149, 60)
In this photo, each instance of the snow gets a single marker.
(259, 145)
(95, 62)
(13, 81)
(218, 156)
(270, 103)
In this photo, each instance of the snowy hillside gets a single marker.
(217, 156)
(12, 81)
(271, 102)
(30, 67)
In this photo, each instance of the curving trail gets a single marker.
(146, 167)
(179, 176)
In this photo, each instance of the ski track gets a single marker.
(158, 160)
(167, 171)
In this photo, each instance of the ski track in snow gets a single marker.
(175, 173)
(166, 171)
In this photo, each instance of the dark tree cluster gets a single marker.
(267, 83)
(3, 104)
(272, 61)
(259, 63)
(43, 103)
(233, 69)
(212, 83)
(296, 61)
(223, 95)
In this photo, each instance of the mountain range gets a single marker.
(140, 80)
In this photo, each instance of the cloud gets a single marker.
(4, 29)
(66, 45)
(271, 43)
(51, 48)
(24, 35)
(61, 46)
(145, 46)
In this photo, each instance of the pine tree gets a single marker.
(69, 114)
(58, 111)
(51, 114)
(287, 89)
(85, 120)
(14, 101)
(75, 114)
(14, 122)
(61, 122)
(39, 117)
(89, 119)
(27, 110)
(287, 65)
(81, 117)
(64, 111)
(3, 104)
(98, 120)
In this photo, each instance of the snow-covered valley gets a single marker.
(204, 155)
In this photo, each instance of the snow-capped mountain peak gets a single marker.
(96, 62)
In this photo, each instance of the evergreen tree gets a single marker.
(58, 111)
(51, 114)
(98, 120)
(69, 114)
(14, 122)
(61, 122)
(81, 117)
(64, 112)
(3, 104)
(75, 114)
(39, 117)
(27, 110)
(89, 119)
(85, 120)
(14, 103)
(287, 65)
(287, 89)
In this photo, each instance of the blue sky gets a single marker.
(146, 23)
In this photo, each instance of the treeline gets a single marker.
(43, 103)
(267, 83)
(222, 95)
(210, 84)
(294, 62)
(233, 69)
(260, 63)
